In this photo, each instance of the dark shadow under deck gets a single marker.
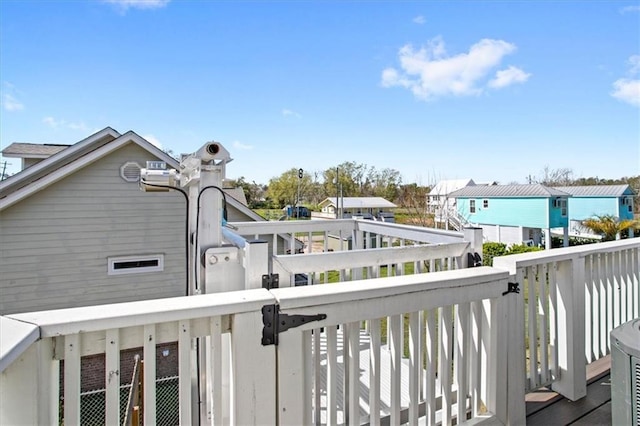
(547, 408)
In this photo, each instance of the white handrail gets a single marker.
(575, 296)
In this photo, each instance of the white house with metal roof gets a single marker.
(514, 214)
(375, 208)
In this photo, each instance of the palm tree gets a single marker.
(609, 226)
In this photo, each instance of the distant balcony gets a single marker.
(410, 332)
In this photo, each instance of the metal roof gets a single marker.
(32, 150)
(360, 202)
(597, 190)
(508, 191)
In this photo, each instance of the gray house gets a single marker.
(76, 230)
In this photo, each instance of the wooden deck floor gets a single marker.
(547, 408)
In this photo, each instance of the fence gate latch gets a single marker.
(270, 281)
(275, 323)
(513, 288)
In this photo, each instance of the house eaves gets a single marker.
(446, 187)
(67, 162)
(597, 190)
(359, 203)
(32, 150)
(57, 160)
(508, 191)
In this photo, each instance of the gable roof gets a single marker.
(70, 160)
(446, 187)
(81, 154)
(597, 190)
(359, 203)
(508, 191)
(32, 150)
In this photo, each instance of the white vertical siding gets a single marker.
(55, 244)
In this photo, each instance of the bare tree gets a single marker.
(555, 177)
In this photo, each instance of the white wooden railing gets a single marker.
(384, 234)
(446, 346)
(436, 347)
(570, 301)
(456, 331)
(375, 249)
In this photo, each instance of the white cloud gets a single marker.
(153, 141)
(241, 146)
(429, 72)
(51, 122)
(630, 9)
(290, 113)
(628, 89)
(419, 20)
(56, 124)
(508, 77)
(9, 103)
(138, 4)
(634, 64)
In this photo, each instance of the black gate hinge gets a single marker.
(512, 288)
(275, 323)
(270, 281)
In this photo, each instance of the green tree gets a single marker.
(349, 177)
(609, 226)
(359, 180)
(253, 192)
(284, 190)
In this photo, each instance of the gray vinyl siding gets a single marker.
(55, 244)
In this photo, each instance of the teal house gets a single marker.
(598, 200)
(515, 214)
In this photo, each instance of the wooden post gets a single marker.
(256, 263)
(572, 382)
(254, 378)
(30, 381)
(516, 375)
(474, 237)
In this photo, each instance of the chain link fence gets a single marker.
(93, 404)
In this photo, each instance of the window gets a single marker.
(135, 264)
(485, 204)
(472, 206)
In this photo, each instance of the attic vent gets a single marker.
(130, 171)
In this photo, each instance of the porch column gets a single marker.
(32, 378)
(572, 382)
(473, 236)
(547, 238)
(565, 236)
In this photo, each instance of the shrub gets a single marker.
(521, 248)
(491, 250)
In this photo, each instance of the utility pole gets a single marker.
(300, 174)
(3, 176)
(337, 192)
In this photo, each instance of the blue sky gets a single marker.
(434, 89)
